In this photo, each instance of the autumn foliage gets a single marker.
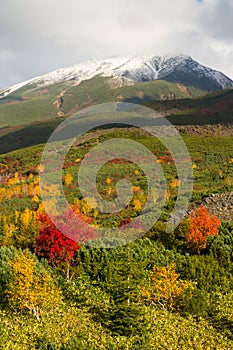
(127, 223)
(201, 226)
(165, 288)
(31, 287)
(58, 248)
(52, 244)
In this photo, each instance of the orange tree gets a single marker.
(201, 226)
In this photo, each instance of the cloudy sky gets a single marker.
(39, 36)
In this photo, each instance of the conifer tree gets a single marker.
(124, 316)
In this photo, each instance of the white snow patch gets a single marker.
(138, 68)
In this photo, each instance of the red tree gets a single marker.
(51, 244)
(56, 247)
(126, 224)
(201, 225)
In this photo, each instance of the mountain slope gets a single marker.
(178, 68)
(57, 95)
(210, 114)
(214, 108)
(63, 99)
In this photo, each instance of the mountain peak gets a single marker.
(173, 68)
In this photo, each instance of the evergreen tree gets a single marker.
(124, 316)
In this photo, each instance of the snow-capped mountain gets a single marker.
(177, 68)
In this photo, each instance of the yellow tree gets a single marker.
(68, 178)
(19, 230)
(137, 204)
(27, 217)
(109, 188)
(164, 288)
(136, 189)
(9, 232)
(174, 183)
(28, 229)
(108, 181)
(31, 287)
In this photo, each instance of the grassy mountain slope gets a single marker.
(29, 104)
(28, 116)
(214, 108)
(203, 318)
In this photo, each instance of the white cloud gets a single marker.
(39, 36)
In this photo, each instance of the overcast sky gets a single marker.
(38, 36)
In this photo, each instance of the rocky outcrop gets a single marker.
(219, 204)
(206, 130)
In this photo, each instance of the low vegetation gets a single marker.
(162, 291)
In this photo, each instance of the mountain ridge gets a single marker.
(172, 68)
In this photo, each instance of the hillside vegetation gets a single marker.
(25, 106)
(214, 109)
(163, 291)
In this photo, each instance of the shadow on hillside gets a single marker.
(226, 325)
(186, 112)
(31, 135)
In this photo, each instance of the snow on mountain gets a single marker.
(138, 69)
